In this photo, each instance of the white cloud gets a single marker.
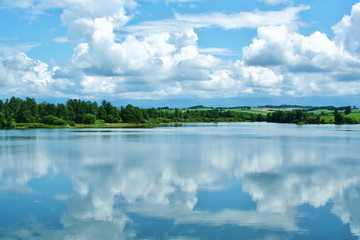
(20, 74)
(162, 63)
(258, 76)
(254, 19)
(73, 9)
(169, 54)
(217, 51)
(23, 76)
(161, 59)
(174, 62)
(279, 46)
(347, 31)
(310, 65)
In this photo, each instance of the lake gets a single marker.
(195, 181)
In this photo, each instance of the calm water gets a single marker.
(199, 181)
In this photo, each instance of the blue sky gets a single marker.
(182, 52)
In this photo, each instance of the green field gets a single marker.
(321, 111)
(249, 111)
(326, 114)
(355, 116)
(330, 118)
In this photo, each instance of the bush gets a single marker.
(71, 123)
(110, 119)
(52, 120)
(89, 119)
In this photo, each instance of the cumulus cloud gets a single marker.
(310, 65)
(21, 75)
(276, 45)
(19, 71)
(347, 31)
(161, 59)
(161, 63)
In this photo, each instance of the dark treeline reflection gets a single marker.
(153, 183)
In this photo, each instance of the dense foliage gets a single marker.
(308, 108)
(295, 116)
(15, 110)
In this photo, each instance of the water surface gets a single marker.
(198, 181)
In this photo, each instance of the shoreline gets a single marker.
(29, 126)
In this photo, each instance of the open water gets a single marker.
(198, 181)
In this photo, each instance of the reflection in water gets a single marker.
(147, 183)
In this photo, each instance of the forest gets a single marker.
(16, 113)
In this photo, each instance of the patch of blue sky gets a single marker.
(227, 44)
(151, 10)
(42, 36)
(321, 15)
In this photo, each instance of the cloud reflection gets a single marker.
(158, 173)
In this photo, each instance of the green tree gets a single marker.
(131, 114)
(89, 118)
(14, 105)
(62, 112)
(110, 119)
(338, 117)
(32, 107)
(347, 110)
(101, 113)
(2, 120)
(23, 115)
(1, 106)
(77, 110)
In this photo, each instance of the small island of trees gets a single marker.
(18, 113)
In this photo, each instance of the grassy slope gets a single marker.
(356, 116)
(246, 112)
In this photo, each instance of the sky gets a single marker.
(182, 52)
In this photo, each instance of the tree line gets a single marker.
(75, 111)
(16, 110)
(308, 108)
